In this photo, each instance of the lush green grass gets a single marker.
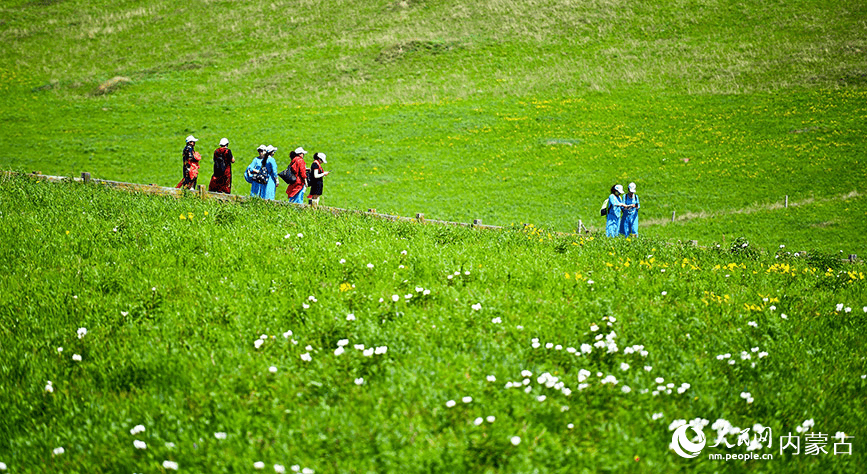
(174, 293)
(812, 225)
(507, 112)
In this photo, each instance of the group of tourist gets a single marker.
(262, 172)
(621, 212)
(620, 209)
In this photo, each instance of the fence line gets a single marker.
(203, 193)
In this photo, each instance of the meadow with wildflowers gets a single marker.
(158, 334)
(509, 112)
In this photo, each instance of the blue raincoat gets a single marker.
(629, 221)
(269, 189)
(615, 210)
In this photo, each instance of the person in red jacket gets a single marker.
(221, 181)
(191, 164)
(295, 192)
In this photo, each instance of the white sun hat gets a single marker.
(262, 148)
(192, 139)
(300, 151)
(224, 141)
(631, 187)
(322, 157)
(619, 189)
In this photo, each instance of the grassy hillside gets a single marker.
(508, 112)
(175, 293)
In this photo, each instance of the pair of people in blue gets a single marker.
(266, 165)
(622, 216)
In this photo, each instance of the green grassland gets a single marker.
(505, 111)
(175, 292)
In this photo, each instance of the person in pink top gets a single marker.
(295, 191)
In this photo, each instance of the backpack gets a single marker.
(309, 176)
(604, 210)
(288, 175)
(261, 175)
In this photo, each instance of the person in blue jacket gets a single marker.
(615, 210)
(266, 165)
(629, 221)
(253, 170)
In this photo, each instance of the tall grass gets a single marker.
(174, 293)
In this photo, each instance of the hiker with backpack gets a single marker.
(315, 178)
(221, 181)
(191, 164)
(262, 173)
(613, 211)
(296, 177)
(629, 221)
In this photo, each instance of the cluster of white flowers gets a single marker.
(49, 386)
(261, 340)
(58, 451)
(747, 396)
(637, 348)
(220, 435)
(753, 324)
(139, 444)
(367, 352)
(744, 356)
(609, 379)
(466, 399)
(82, 332)
(497, 320)
(477, 307)
(171, 465)
(667, 388)
(805, 426)
(656, 416)
(607, 343)
(490, 419)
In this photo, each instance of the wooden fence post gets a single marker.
(420, 217)
(787, 201)
(203, 191)
(672, 216)
(580, 225)
(85, 177)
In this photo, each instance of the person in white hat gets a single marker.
(191, 164)
(221, 181)
(629, 221)
(262, 173)
(316, 178)
(295, 191)
(615, 211)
